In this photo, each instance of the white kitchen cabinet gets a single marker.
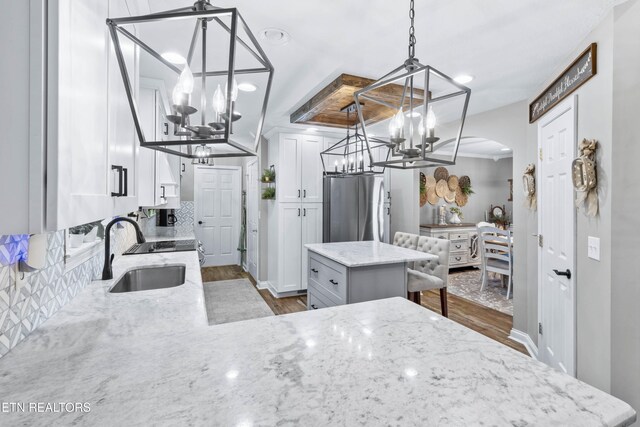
(311, 233)
(288, 174)
(299, 175)
(295, 218)
(82, 154)
(299, 225)
(311, 168)
(159, 183)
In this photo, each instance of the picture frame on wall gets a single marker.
(575, 75)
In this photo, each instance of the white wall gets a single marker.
(625, 201)
(593, 278)
(489, 183)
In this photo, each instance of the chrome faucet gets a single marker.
(107, 273)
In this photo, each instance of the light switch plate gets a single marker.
(593, 248)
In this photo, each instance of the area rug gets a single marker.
(232, 301)
(466, 284)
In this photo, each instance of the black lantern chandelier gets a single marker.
(425, 98)
(194, 51)
(350, 155)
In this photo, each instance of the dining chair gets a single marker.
(497, 254)
(480, 249)
(432, 274)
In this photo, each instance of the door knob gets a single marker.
(566, 273)
(199, 222)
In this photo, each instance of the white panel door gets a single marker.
(311, 168)
(290, 241)
(217, 213)
(311, 233)
(252, 218)
(288, 175)
(557, 277)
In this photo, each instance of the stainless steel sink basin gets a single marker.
(147, 278)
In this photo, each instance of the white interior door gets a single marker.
(556, 216)
(217, 213)
(252, 218)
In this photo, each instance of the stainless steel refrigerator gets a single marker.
(355, 208)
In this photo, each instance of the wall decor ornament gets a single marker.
(529, 185)
(584, 176)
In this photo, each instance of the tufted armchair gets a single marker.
(427, 275)
(405, 240)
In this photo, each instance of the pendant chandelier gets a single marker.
(418, 98)
(350, 155)
(194, 56)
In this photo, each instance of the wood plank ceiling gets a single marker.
(326, 107)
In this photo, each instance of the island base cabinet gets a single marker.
(331, 283)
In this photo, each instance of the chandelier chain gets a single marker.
(412, 31)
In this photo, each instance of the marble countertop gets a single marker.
(360, 254)
(388, 362)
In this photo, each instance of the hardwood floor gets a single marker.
(488, 322)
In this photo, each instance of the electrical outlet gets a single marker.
(593, 248)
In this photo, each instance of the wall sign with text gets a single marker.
(574, 76)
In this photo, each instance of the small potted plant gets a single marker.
(456, 215)
(269, 193)
(269, 175)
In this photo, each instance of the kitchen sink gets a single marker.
(147, 278)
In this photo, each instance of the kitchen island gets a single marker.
(350, 272)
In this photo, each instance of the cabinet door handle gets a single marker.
(119, 170)
(304, 211)
(314, 270)
(333, 282)
(166, 128)
(298, 211)
(200, 223)
(458, 246)
(298, 194)
(314, 306)
(458, 258)
(388, 211)
(184, 168)
(164, 195)
(125, 193)
(388, 195)
(304, 194)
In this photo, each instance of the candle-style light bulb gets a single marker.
(186, 79)
(178, 94)
(336, 165)
(431, 119)
(234, 89)
(396, 125)
(218, 101)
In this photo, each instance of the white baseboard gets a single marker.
(267, 285)
(526, 341)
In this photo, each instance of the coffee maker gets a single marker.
(166, 218)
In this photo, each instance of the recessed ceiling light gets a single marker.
(174, 58)
(275, 36)
(247, 87)
(505, 149)
(463, 79)
(312, 129)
